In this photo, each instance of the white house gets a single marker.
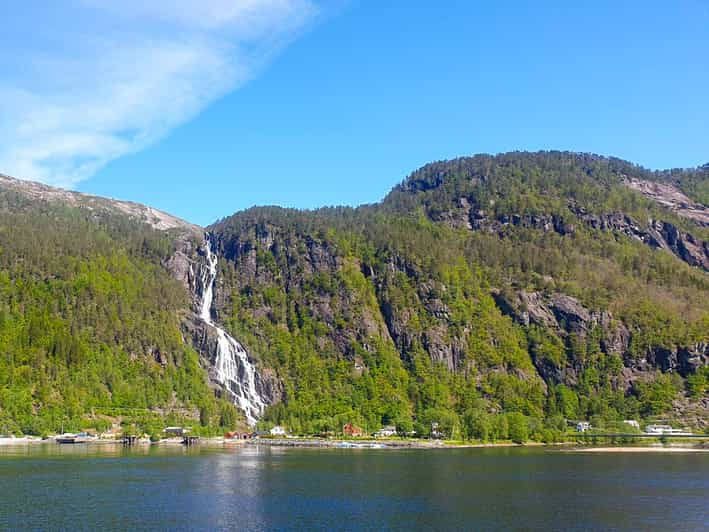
(632, 423)
(666, 429)
(582, 426)
(386, 432)
(278, 431)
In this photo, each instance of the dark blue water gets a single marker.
(61, 487)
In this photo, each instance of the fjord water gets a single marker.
(263, 488)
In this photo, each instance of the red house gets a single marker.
(352, 431)
(237, 435)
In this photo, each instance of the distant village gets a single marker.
(183, 435)
(349, 430)
(632, 424)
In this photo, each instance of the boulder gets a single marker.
(570, 313)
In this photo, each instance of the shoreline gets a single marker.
(639, 449)
(570, 446)
(382, 444)
(385, 444)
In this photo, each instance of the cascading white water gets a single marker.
(233, 368)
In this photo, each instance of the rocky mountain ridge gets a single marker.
(155, 218)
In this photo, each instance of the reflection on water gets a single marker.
(51, 449)
(262, 488)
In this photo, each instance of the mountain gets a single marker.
(555, 285)
(24, 191)
(90, 316)
(497, 296)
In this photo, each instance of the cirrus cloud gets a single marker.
(119, 75)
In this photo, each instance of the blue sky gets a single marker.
(205, 108)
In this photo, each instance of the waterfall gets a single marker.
(233, 368)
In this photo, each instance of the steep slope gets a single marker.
(544, 284)
(494, 296)
(356, 332)
(160, 220)
(90, 316)
(558, 191)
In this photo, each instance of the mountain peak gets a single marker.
(155, 218)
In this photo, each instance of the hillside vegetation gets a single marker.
(519, 289)
(491, 297)
(89, 323)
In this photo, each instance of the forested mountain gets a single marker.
(548, 285)
(89, 316)
(497, 296)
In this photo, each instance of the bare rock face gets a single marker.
(616, 337)
(450, 352)
(570, 314)
(466, 213)
(270, 387)
(480, 220)
(299, 263)
(184, 265)
(691, 250)
(526, 308)
(564, 315)
(617, 222)
(692, 358)
(663, 358)
(657, 234)
(543, 222)
(683, 360)
(672, 198)
(443, 342)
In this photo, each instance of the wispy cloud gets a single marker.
(124, 73)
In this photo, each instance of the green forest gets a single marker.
(386, 314)
(488, 297)
(89, 324)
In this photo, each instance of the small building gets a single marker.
(666, 430)
(583, 426)
(352, 431)
(386, 432)
(235, 435)
(278, 431)
(632, 423)
(436, 431)
(177, 431)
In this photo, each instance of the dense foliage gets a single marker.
(89, 327)
(490, 298)
(384, 314)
